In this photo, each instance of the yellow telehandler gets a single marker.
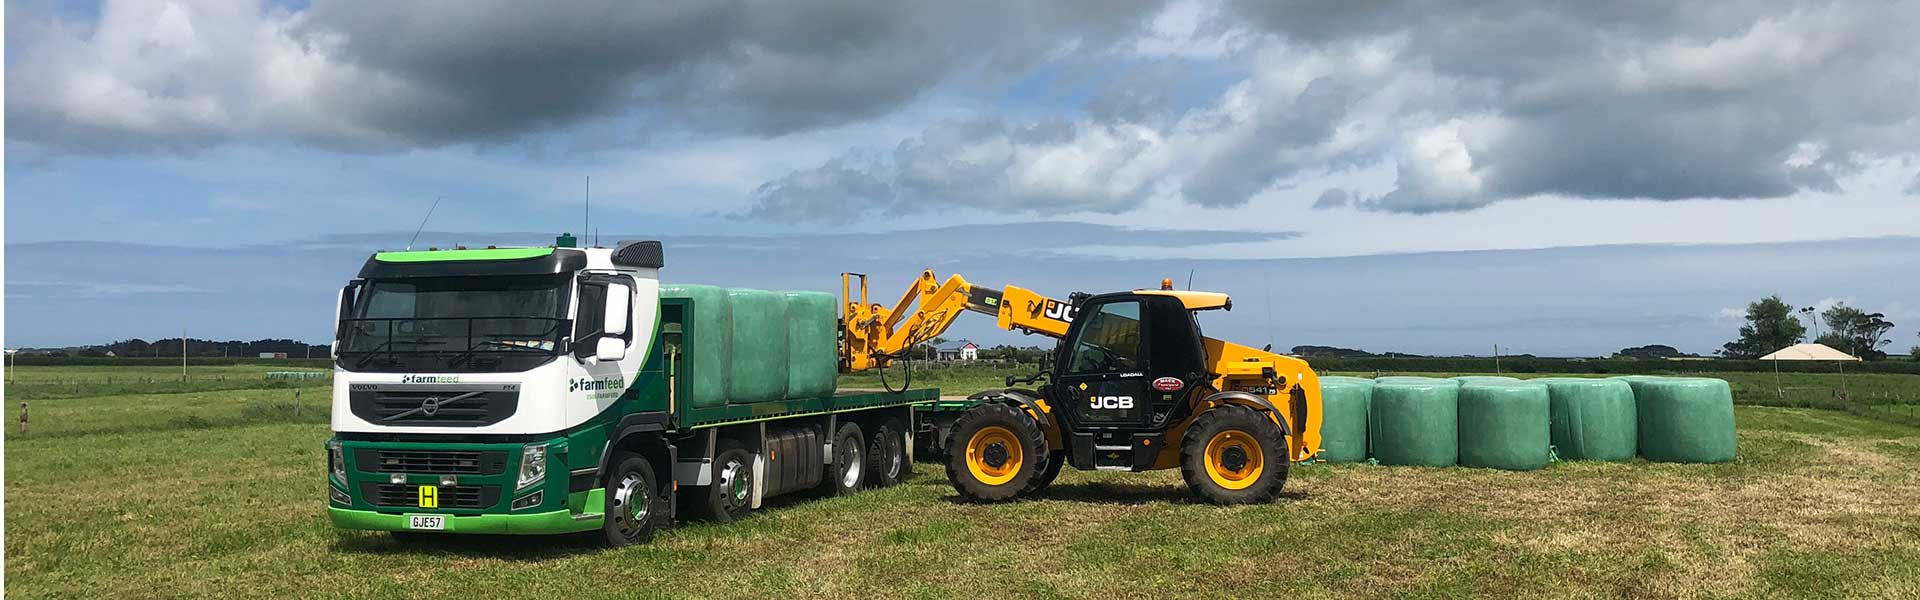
(1133, 386)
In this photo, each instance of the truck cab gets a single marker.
(477, 390)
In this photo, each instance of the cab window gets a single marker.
(1108, 340)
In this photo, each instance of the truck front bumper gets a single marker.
(559, 521)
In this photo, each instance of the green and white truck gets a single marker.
(560, 389)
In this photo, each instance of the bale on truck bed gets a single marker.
(1344, 403)
(1504, 426)
(758, 371)
(1414, 421)
(1684, 419)
(1592, 419)
(709, 349)
(812, 344)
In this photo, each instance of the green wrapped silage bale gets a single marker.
(1473, 379)
(1344, 403)
(1685, 419)
(1414, 379)
(758, 371)
(1414, 421)
(1504, 426)
(1593, 419)
(813, 361)
(708, 344)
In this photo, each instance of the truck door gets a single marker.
(1102, 373)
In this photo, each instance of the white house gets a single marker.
(957, 350)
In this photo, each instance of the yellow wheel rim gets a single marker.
(994, 455)
(1234, 460)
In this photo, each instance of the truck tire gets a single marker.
(635, 504)
(848, 471)
(1055, 461)
(1234, 455)
(730, 497)
(994, 453)
(887, 454)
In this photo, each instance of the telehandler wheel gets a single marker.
(1054, 461)
(887, 454)
(995, 453)
(848, 471)
(1234, 455)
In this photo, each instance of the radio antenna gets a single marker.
(423, 223)
(588, 224)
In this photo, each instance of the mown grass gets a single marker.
(43, 383)
(121, 503)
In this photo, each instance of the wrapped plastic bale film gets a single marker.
(1504, 426)
(707, 353)
(812, 344)
(1685, 419)
(1472, 379)
(1592, 419)
(1414, 379)
(1344, 403)
(758, 371)
(1414, 421)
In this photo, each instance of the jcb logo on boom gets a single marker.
(1116, 402)
(1054, 309)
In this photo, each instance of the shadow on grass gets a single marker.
(1128, 494)
(518, 548)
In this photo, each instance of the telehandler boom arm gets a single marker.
(875, 334)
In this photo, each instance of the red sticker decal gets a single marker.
(1168, 384)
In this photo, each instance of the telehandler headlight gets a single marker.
(533, 465)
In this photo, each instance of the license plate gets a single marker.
(426, 522)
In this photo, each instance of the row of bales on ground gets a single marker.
(1508, 423)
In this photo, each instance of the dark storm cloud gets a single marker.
(402, 74)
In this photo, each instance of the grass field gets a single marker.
(125, 498)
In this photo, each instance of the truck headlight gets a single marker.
(533, 465)
(336, 462)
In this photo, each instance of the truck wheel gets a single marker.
(635, 505)
(730, 496)
(994, 452)
(1234, 455)
(848, 471)
(1054, 462)
(886, 454)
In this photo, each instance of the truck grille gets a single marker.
(431, 462)
(406, 495)
(434, 405)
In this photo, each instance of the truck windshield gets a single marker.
(455, 324)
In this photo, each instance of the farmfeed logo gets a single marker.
(430, 379)
(587, 384)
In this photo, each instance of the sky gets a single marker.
(1585, 175)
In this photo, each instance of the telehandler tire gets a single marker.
(1054, 462)
(995, 453)
(1234, 455)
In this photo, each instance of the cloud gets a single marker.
(189, 74)
(1500, 101)
(1731, 313)
(1332, 198)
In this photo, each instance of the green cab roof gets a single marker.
(453, 255)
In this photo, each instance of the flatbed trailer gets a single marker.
(559, 390)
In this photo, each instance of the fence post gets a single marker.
(296, 404)
(23, 417)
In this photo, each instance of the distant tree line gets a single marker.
(1772, 324)
(195, 347)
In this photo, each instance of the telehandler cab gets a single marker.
(1134, 386)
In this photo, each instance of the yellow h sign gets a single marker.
(429, 496)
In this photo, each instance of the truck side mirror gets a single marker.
(610, 348)
(619, 309)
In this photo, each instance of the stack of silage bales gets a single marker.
(1507, 423)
